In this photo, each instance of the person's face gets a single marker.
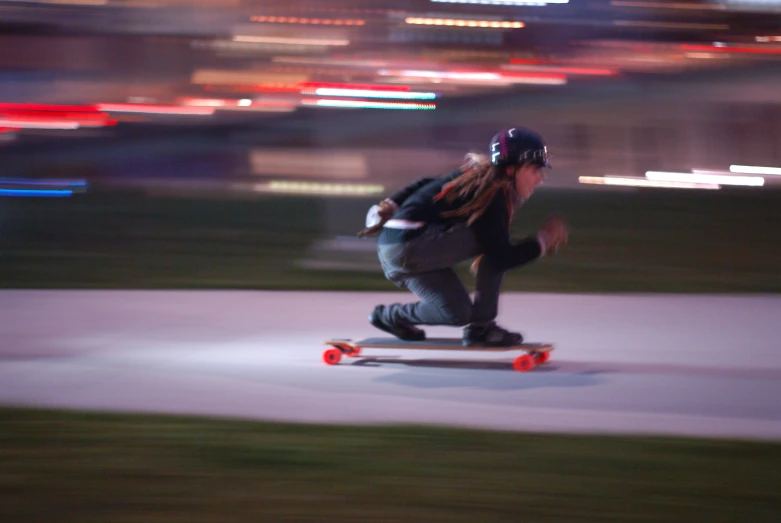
(527, 178)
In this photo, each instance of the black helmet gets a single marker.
(516, 146)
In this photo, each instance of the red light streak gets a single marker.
(719, 49)
(49, 108)
(520, 61)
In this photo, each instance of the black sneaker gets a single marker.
(490, 335)
(402, 331)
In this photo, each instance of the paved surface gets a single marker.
(689, 365)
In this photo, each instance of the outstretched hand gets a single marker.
(384, 213)
(554, 232)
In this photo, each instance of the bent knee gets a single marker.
(457, 315)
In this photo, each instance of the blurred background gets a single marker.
(239, 143)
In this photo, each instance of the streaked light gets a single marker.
(39, 124)
(667, 5)
(457, 22)
(455, 75)
(351, 62)
(264, 107)
(204, 102)
(260, 88)
(529, 61)
(330, 189)
(630, 181)
(360, 104)
(53, 120)
(485, 77)
(310, 21)
(504, 2)
(518, 65)
(750, 181)
(751, 169)
(231, 46)
(768, 38)
(757, 6)
(51, 182)
(367, 87)
(41, 193)
(244, 104)
(247, 77)
(710, 171)
(48, 107)
(668, 25)
(342, 10)
(535, 78)
(398, 95)
(290, 41)
(71, 2)
(727, 49)
(157, 109)
(705, 56)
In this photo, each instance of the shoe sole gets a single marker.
(377, 324)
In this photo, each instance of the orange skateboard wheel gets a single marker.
(332, 356)
(523, 363)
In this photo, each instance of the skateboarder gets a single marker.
(433, 224)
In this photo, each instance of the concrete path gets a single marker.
(658, 364)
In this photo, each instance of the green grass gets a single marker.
(79, 467)
(644, 241)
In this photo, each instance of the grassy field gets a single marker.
(644, 241)
(78, 467)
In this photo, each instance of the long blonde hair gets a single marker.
(479, 181)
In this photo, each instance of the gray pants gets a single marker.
(424, 266)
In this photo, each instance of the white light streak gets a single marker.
(365, 93)
(290, 41)
(471, 77)
(328, 189)
(443, 74)
(750, 181)
(40, 124)
(457, 22)
(710, 171)
(751, 169)
(629, 181)
(361, 104)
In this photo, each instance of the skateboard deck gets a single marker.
(536, 353)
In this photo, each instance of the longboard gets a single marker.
(536, 353)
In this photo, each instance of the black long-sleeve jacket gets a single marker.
(416, 203)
